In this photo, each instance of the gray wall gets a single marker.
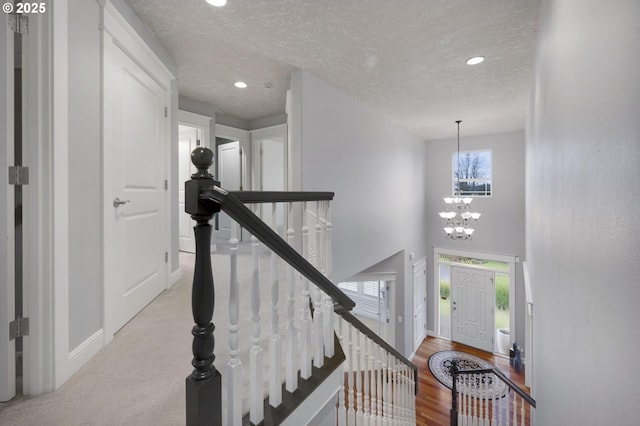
(375, 168)
(500, 229)
(583, 250)
(85, 165)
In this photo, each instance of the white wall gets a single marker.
(500, 229)
(583, 157)
(375, 168)
(85, 195)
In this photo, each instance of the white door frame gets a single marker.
(244, 137)
(202, 123)
(119, 34)
(388, 277)
(510, 260)
(7, 217)
(421, 265)
(257, 136)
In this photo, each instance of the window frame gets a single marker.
(481, 180)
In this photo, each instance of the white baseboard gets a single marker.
(174, 277)
(84, 352)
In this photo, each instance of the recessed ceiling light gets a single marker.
(475, 60)
(240, 84)
(217, 3)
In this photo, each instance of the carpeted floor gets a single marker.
(138, 379)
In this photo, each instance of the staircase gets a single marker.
(473, 405)
(336, 370)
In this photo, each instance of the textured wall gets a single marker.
(583, 157)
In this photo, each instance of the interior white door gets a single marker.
(419, 304)
(188, 141)
(229, 176)
(472, 318)
(135, 142)
(7, 218)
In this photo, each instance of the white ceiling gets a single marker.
(404, 58)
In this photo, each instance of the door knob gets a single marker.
(118, 202)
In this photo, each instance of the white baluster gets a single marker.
(318, 328)
(275, 347)
(351, 414)
(367, 386)
(291, 372)
(318, 306)
(342, 410)
(328, 302)
(358, 381)
(393, 398)
(459, 384)
(234, 366)
(522, 412)
(306, 344)
(379, 391)
(256, 381)
(385, 387)
(474, 385)
(494, 419)
(465, 406)
(486, 400)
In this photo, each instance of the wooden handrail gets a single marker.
(502, 377)
(349, 317)
(236, 209)
(281, 196)
(233, 204)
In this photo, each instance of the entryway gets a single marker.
(475, 298)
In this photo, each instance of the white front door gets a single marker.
(7, 208)
(188, 141)
(229, 176)
(472, 305)
(134, 168)
(419, 303)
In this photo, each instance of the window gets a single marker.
(473, 172)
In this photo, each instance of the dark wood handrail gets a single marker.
(234, 206)
(236, 209)
(502, 377)
(349, 317)
(281, 196)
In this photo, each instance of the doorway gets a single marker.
(472, 320)
(193, 131)
(374, 304)
(464, 309)
(136, 140)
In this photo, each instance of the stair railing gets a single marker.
(387, 380)
(472, 403)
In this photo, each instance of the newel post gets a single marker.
(453, 370)
(203, 387)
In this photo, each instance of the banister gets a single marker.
(502, 377)
(235, 208)
(349, 317)
(281, 196)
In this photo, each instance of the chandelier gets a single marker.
(458, 216)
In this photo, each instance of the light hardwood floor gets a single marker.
(433, 401)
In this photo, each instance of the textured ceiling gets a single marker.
(404, 58)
